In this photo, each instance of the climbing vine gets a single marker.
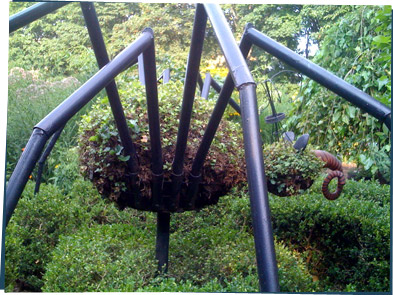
(357, 50)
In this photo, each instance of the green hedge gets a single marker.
(346, 242)
(120, 257)
(38, 221)
(343, 243)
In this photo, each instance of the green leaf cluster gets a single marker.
(283, 164)
(354, 49)
(40, 220)
(30, 99)
(103, 158)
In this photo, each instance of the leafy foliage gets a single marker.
(38, 222)
(30, 99)
(288, 171)
(345, 243)
(356, 51)
(103, 160)
(203, 257)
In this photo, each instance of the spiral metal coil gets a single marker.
(334, 164)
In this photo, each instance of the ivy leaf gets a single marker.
(336, 116)
(345, 119)
(381, 39)
(382, 81)
(123, 158)
(93, 138)
(351, 111)
(366, 161)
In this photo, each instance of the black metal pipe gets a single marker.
(162, 241)
(102, 57)
(149, 64)
(322, 76)
(261, 220)
(236, 63)
(212, 126)
(263, 234)
(200, 82)
(32, 13)
(23, 170)
(43, 158)
(232, 102)
(60, 115)
(217, 88)
(262, 227)
(206, 86)
(194, 57)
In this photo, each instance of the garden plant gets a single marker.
(94, 227)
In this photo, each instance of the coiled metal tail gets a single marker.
(334, 164)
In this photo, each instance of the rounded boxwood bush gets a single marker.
(33, 232)
(103, 161)
(109, 257)
(345, 243)
(203, 258)
(38, 221)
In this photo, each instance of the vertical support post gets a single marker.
(23, 170)
(150, 77)
(260, 212)
(102, 57)
(263, 234)
(194, 58)
(43, 158)
(162, 241)
(206, 86)
(141, 69)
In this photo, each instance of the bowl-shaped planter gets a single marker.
(104, 163)
(290, 172)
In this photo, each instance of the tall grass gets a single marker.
(30, 99)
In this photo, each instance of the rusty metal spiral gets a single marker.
(334, 164)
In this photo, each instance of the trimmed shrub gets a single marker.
(33, 232)
(38, 221)
(203, 257)
(344, 242)
(114, 257)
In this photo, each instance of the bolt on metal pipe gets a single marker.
(206, 86)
